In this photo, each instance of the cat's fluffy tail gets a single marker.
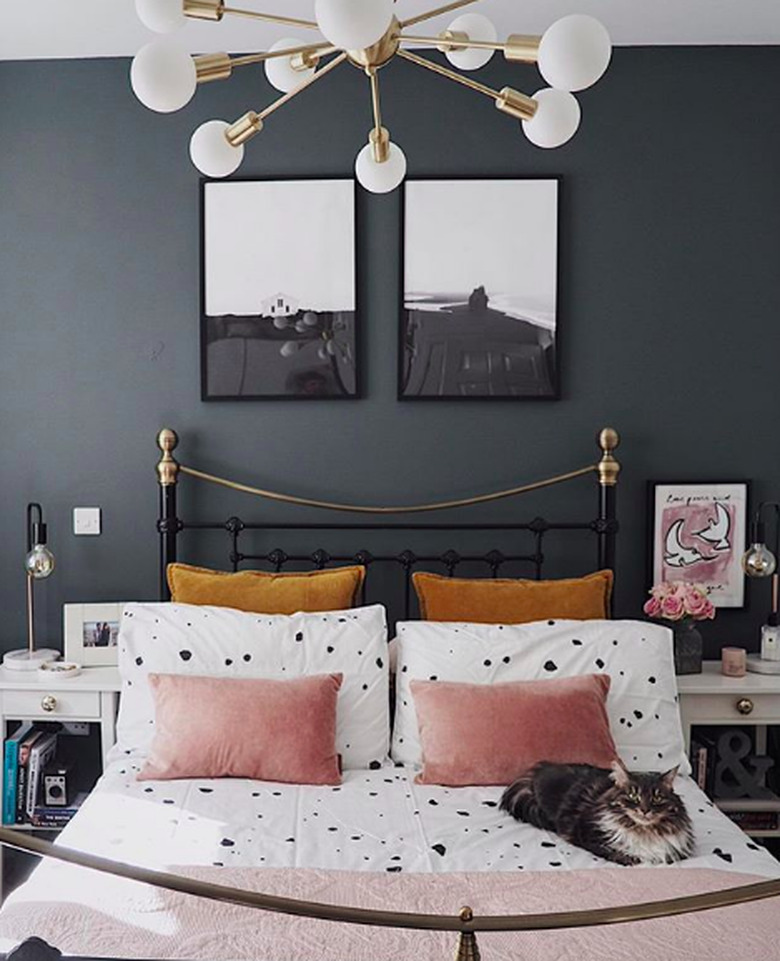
(519, 800)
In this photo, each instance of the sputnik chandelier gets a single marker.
(572, 55)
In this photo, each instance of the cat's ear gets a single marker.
(667, 779)
(619, 774)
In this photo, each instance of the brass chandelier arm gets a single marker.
(462, 922)
(375, 104)
(271, 18)
(323, 49)
(450, 74)
(360, 509)
(453, 42)
(517, 48)
(331, 65)
(430, 14)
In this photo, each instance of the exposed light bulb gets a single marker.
(759, 561)
(280, 71)
(162, 16)
(556, 119)
(39, 562)
(211, 151)
(353, 24)
(289, 348)
(574, 52)
(310, 319)
(380, 178)
(476, 27)
(163, 76)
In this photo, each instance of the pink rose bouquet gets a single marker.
(679, 601)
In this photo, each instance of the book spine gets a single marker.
(9, 781)
(21, 793)
(39, 756)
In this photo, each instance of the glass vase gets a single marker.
(688, 647)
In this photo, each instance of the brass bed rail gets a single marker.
(465, 922)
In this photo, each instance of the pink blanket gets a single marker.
(110, 917)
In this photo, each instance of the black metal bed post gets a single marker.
(168, 523)
(607, 525)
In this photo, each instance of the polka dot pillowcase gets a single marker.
(221, 642)
(642, 705)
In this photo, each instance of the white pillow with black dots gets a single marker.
(222, 642)
(642, 705)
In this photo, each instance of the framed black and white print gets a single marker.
(278, 310)
(480, 289)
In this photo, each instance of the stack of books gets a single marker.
(28, 751)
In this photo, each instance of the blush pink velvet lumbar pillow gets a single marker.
(256, 728)
(492, 733)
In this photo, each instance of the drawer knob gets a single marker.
(49, 702)
(745, 705)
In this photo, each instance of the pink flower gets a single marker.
(710, 610)
(673, 607)
(697, 605)
(653, 607)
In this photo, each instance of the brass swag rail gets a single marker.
(464, 922)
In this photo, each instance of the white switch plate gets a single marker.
(86, 520)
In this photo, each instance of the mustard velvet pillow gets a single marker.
(512, 601)
(260, 592)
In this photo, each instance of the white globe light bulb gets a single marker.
(380, 178)
(289, 348)
(476, 27)
(211, 152)
(163, 76)
(574, 52)
(162, 16)
(556, 119)
(353, 24)
(280, 71)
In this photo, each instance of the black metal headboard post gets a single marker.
(168, 523)
(605, 525)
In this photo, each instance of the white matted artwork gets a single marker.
(91, 633)
(278, 290)
(480, 315)
(699, 535)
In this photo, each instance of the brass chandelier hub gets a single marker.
(379, 53)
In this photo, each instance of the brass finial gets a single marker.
(468, 949)
(608, 466)
(167, 466)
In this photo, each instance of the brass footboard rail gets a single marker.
(465, 923)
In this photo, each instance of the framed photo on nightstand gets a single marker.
(91, 633)
(698, 534)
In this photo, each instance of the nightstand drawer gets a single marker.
(732, 708)
(51, 703)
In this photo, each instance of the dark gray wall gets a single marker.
(670, 306)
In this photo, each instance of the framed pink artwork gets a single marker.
(698, 535)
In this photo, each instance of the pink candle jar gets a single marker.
(733, 661)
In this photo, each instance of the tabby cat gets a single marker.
(629, 818)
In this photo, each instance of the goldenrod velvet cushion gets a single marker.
(512, 601)
(263, 593)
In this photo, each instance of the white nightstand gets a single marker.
(711, 698)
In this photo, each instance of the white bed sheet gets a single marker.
(375, 821)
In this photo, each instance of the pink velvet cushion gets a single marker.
(254, 728)
(493, 733)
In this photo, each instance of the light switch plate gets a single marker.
(86, 520)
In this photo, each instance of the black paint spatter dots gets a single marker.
(365, 687)
(551, 623)
(464, 814)
(148, 790)
(723, 855)
(373, 794)
(333, 829)
(487, 662)
(342, 620)
(753, 847)
(255, 794)
(227, 843)
(433, 677)
(506, 659)
(614, 643)
(206, 790)
(638, 715)
(218, 864)
(247, 657)
(622, 720)
(394, 869)
(548, 844)
(168, 800)
(139, 661)
(556, 864)
(374, 766)
(490, 804)
(651, 680)
(185, 655)
(433, 802)
(550, 666)
(405, 668)
(380, 663)
(290, 840)
(330, 649)
(396, 857)
(276, 793)
(356, 837)
(228, 661)
(599, 663)
(576, 642)
(299, 636)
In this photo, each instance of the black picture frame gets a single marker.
(652, 531)
(352, 391)
(553, 391)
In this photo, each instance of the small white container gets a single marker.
(58, 671)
